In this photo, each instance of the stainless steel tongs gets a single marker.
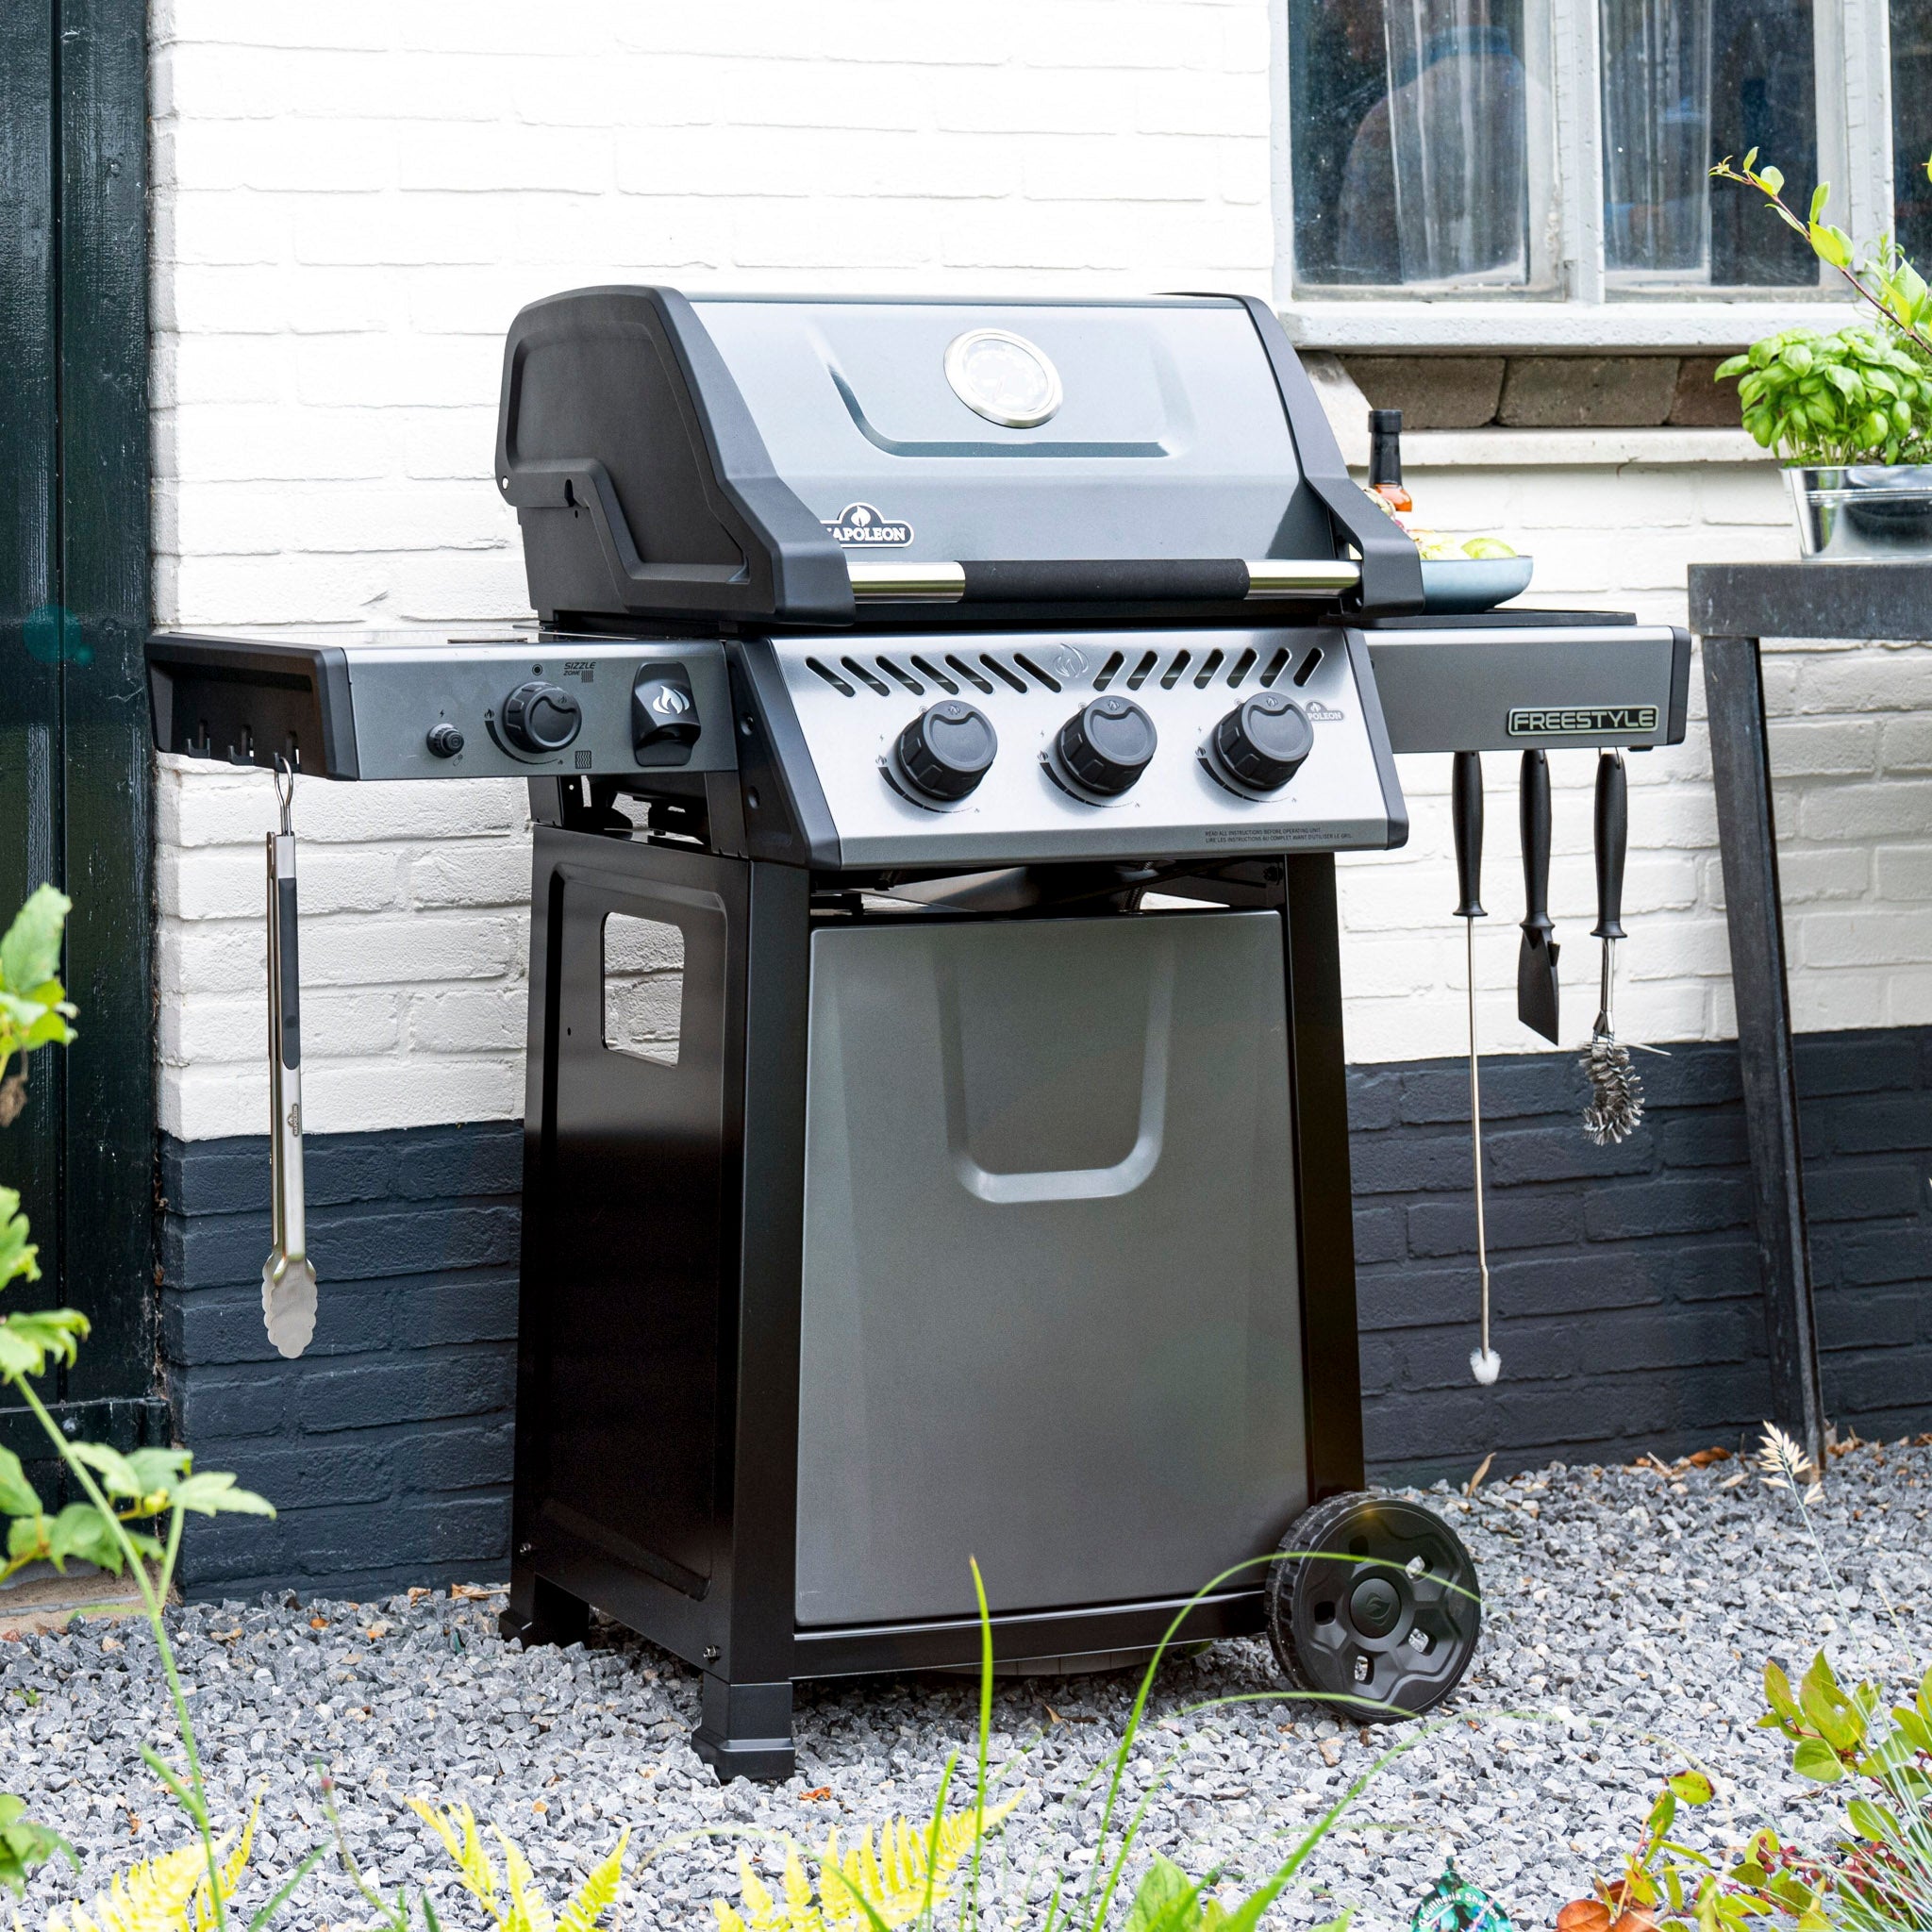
(288, 1281)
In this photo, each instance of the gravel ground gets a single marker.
(1627, 1613)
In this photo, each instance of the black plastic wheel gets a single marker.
(1381, 1617)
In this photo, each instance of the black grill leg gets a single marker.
(746, 1731)
(545, 1612)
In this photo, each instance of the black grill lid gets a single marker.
(827, 462)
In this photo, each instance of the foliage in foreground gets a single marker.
(922, 1869)
(119, 1493)
(1869, 1870)
(912, 1871)
(513, 1901)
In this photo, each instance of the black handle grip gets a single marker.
(1056, 581)
(1535, 802)
(1466, 810)
(1612, 843)
(290, 992)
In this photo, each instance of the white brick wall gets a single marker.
(352, 202)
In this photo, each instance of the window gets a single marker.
(643, 986)
(1557, 154)
(1912, 125)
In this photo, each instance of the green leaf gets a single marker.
(1693, 1787)
(1814, 1758)
(1165, 1891)
(81, 1530)
(1829, 245)
(30, 953)
(117, 1475)
(157, 1469)
(1731, 366)
(16, 1251)
(1819, 196)
(1914, 1730)
(1868, 1821)
(215, 1494)
(25, 1535)
(1773, 180)
(17, 1496)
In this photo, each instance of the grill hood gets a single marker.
(826, 461)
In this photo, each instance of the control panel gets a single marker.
(1038, 745)
(412, 705)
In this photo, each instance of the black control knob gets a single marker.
(538, 717)
(1106, 746)
(445, 741)
(1264, 742)
(947, 750)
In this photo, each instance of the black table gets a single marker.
(1734, 606)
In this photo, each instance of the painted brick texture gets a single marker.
(1626, 1288)
(1624, 1280)
(387, 1448)
(349, 207)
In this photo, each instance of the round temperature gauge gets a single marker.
(1003, 377)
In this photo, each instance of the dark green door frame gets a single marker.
(75, 784)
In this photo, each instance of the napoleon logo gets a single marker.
(860, 525)
(671, 702)
(1319, 713)
(1581, 721)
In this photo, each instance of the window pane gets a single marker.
(1686, 82)
(1407, 150)
(1911, 125)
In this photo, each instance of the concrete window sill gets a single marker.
(1531, 449)
(1522, 323)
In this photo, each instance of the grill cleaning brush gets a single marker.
(1615, 1094)
(1466, 798)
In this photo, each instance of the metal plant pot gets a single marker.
(1869, 511)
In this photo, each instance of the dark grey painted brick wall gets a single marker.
(1624, 1280)
(1625, 1284)
(387, 1447)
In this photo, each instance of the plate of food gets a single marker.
(1461, 577)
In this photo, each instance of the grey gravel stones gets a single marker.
(1627, 1614)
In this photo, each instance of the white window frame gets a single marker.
(1568, 302)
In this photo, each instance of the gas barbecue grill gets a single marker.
(967, 700)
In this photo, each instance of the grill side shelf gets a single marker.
(249, 703)
(1508, 688)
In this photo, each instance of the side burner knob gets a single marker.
(947, 750)
(1106, 745)
(539, 718)
(444, 740)
(1265, 742)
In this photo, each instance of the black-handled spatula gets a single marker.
(1536, 961)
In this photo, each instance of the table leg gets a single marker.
(1747, 839)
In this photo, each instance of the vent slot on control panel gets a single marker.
(1171, 676)
(1003, 673)
(1277, 665)
(1210, 665)
(865, 677)
(1033, 670)
(1308, 665)
(899, 676)
(971, 676)
(831, 678)
(932, 670)
(1142, 671)
(1243, 665)
(1109, 671)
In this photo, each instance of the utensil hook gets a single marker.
(285, 792)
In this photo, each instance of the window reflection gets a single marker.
(1686, 82)
(1407, 141)
(1912, 125)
